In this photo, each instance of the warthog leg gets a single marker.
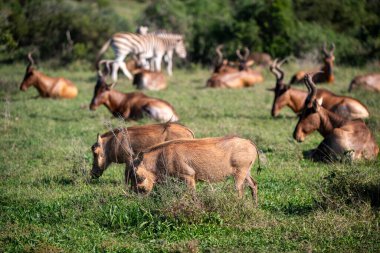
(253, 185)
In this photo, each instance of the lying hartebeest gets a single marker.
(285, 95)
(118, 145)
(142, 78)
(48, 87)
(132, 105)
(369, 82)
(326, 74)
(245, 77)
(223, 65)
(209, 159)
(342, 137)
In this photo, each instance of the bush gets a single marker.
(44, 25)
(351, 184)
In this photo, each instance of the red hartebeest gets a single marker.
(285, 95)
(342, 137)
(223, 65)
(245, 77)
(326, 74)
(48, 87)
(132, 105)
(369, 82)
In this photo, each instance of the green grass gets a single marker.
(49, 204)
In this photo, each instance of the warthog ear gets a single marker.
(137, 159)
(99, 139)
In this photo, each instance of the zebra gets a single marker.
(168, 57)
(144, 46)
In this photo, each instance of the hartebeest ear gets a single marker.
(317, 103)
(249, 63)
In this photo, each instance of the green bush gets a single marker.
(43, 25)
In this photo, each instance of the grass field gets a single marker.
(49, 204)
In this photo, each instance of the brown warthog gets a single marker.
(209, 159)
(118, 145)
(48, 87)
(341, 136)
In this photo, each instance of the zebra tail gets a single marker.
(102, 51)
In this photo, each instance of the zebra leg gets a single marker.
(125, 70)
(119, 63)
(157, 61)
(168, 58)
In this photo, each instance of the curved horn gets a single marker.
(273, 69)
(246, 51)
(324, 49)
(313, 88)
(332, 48)
(219, 53)
(98, 66)
(280, 70)
(239, 54)
(30, 58)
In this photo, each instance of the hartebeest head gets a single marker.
(309, 120)
(280, 89)
(329, 57)
(244, 63)
(29, 78)
(101, 91)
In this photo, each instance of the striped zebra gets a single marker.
(168, 57)
(145, 47)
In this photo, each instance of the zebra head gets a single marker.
(180, 48)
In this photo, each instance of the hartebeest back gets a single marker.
(369, 82)
(285, 95)
(119, 145)
(132, 105)
(326, 74)
(342, 137)
(48, 87)
(245, 77)
(209, 159)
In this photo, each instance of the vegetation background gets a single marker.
(49, 204)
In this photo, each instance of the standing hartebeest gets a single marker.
(342, 137)
(132, 105)
(285, 95)
(244, 77)
(369, 82)
(326, 74)
(48, 87)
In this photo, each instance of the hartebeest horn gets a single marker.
(277, 66)
(324, 49)
(332, 48)
(239, 54)
(273, 69)
(219, 53)
(30, 58)
(246, 53)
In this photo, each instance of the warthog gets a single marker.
(209, 159)
(118, 145)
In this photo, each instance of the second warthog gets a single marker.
(118, 145)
